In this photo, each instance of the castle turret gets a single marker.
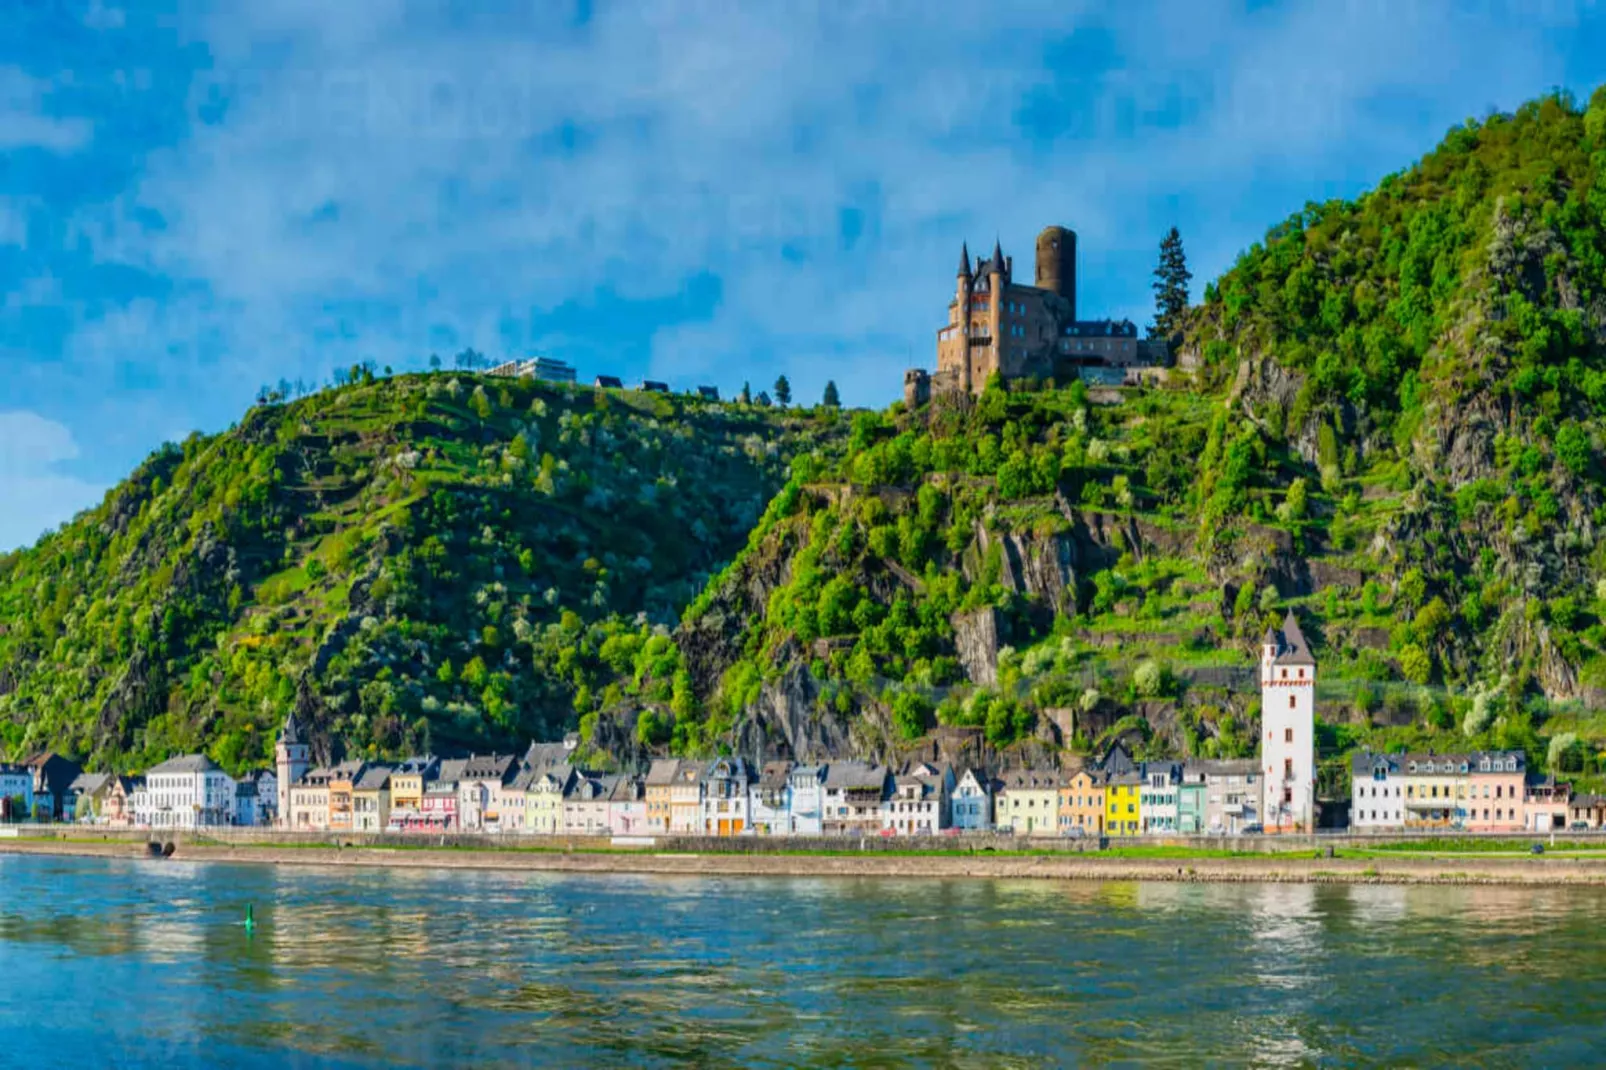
(291, 761)
(1288, 727)
(1056, 263)
(997, 284)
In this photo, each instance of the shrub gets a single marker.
(1150, 679)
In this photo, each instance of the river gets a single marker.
(147, 964)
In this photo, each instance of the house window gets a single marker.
(1288, 735)
(1291, 702)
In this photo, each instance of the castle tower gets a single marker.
(1056, 263)
(962, 296)
(291, 760)
(997, 284)
(1288, 729)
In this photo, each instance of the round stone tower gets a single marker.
(1056, 263)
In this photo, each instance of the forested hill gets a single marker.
(1387, 419)
(422, 562)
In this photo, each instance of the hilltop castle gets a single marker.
(996, 324)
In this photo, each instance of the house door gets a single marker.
(724, 827)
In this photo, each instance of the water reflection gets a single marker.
(368, 968)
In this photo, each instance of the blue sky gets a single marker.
(196, 198)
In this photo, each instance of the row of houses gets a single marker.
(1480, 791)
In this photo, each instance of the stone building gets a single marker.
(1018, 331)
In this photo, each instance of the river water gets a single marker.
(109, 963)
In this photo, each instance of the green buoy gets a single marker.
(250, 919)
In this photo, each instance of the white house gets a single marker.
(189, 792)
(1158, 799)
(627, 807)
(973, 802)
(1377, 792)
(918, 805)
(854, 792)
(769, 807)
(256, 799)
(479, 790)
(806, 800)
(726, 792)
(1288, 729)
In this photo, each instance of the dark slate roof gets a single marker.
(488, 767)
(626, 789)
(730, 769)
(451, 770)
(609, 382)
(1292, 649)
(544, 755)
(426, 764)
(855, 776)
(655, 386)
(1118, 761)
(1219, 767)
(374, 778)
(1365, 761)
(708, 393)
(189, 763)
(964, 259)
(1165, 767)
(1030, 779)
(89, 783)
(291, 733)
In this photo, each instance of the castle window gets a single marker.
(1291, 701)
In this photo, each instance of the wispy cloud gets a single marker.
(35, 493)
(707, 190)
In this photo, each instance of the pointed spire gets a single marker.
(998, 257)
(291, 733)
(964, 260)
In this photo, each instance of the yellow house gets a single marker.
(1122, 816)
(370, 800)
(543, 800)
(407, 783)
(1082, 804)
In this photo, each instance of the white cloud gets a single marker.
(35, 495)
(24, 123)
(392, 172)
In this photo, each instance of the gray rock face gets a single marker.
(788, 721)
(976, 641)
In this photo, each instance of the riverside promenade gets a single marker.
(1571, 860)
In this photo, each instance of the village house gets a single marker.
(1545, 802)
(407, 781)
(1435, 790)
(478, 788)
(853, 795)
(437, 810)
(1122, 794)
(1377, 792)
(918, 805)
(1158, 799)
(53, 775)
(806, 800)
(118, 809)
(1232, 793)
(1191, 793)
(189, 792)
(1495, 791)
(726, 790)
(1586, 811)
(245, 801)
(370, 800)
(342, 787)
(769, 809)
(1027, 803)
(686, 800)
(660, 782)
(85, 796)
(1081, 803)
(16, 792)
(627, 807)
(309, 801)
(544, 792)
(585, 806)
(973, 802)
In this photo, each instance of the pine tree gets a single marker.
(832, 399)
(1170, 285)
(747, 394)
(783, 391)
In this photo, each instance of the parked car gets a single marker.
(1252, 829)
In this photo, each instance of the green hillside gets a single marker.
(429, 561)
(1387, 418)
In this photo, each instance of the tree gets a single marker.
(747, 394)
(832, 399)
(434, 362)
(1171, 278)
(783, 391)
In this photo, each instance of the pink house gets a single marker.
(1495, 790)
(627, 807)
(1545, 804)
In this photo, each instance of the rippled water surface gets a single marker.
(146, 963)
